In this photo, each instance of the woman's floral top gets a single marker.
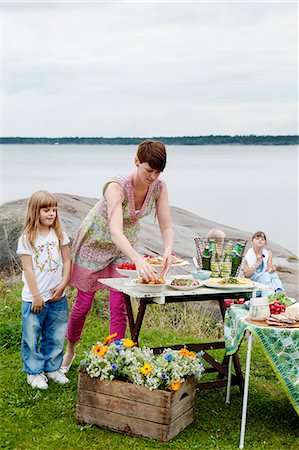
(94, 253)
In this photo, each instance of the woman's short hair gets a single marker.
(154, 153)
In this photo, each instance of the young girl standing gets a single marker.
(46, 263)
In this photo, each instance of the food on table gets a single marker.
(293, 311)
(281, 298)
(229, 280)
(184, 282)
(151, 259)
(156, 281)
(276, 307)
(229, 283)
(127, 266)
(281, 320)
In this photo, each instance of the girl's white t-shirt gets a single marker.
(46, 261)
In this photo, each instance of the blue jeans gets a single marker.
(43, 336)
(270, 279)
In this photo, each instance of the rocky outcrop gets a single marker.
(187, 226)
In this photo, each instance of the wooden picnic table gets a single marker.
(201, 294)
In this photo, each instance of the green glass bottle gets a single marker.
(237, 258)
(226, 264)
(206, 258)
(215, 263)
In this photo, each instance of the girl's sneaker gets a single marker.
(58, 376)
(38, 381)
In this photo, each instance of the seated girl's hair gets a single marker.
(37, 201)
(258, 234)
(154, 153)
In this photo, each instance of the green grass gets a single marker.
(32, 419)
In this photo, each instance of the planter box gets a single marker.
(135, 410)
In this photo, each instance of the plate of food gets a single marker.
(150, 287)
(127, 269)
(157, 260)
(229, 283)
(185, 283)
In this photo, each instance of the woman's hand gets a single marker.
(272, 269)
(166, 264)
(144, 269)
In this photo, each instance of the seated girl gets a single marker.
(258, 264)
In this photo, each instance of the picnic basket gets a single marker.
(200, 244)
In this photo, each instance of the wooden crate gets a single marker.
(135, 410)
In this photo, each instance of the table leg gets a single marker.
(245, 395)
(135, 326)
(229, 380)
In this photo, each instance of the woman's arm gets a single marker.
(114, 195)
(164, 218)
(37, 302)
(66, 272)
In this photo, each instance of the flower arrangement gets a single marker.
(123, 360)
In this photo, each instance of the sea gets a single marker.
(246, 187)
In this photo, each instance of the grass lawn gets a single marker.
(33, 419)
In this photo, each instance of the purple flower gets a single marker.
(114, 367)
(164, 376)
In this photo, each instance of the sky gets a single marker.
(142, 69)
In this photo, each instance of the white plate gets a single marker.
(129, 283)
(127, 273)
(149, 288)
(212, 283)
(186, 288)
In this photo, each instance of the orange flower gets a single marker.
(96, 349)
(175, 385)
(146, 368)
(186, 352)
(104, 350)
(99, 350)
(129, 343)
(109, 338)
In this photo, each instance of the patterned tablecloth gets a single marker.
(281, 346)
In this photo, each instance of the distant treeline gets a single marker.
(178, 140)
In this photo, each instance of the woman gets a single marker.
(110, 232)
(258, 264)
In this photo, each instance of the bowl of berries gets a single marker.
(127, 269)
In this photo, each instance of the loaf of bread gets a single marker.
(293, 311)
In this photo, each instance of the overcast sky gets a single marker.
(149, 68)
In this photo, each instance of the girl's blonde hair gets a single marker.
(37, 201)
(216, 235)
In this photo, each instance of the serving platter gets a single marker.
(262, 323)
(243, 283)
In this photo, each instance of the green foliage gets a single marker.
(168, 140)
(33, 420)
